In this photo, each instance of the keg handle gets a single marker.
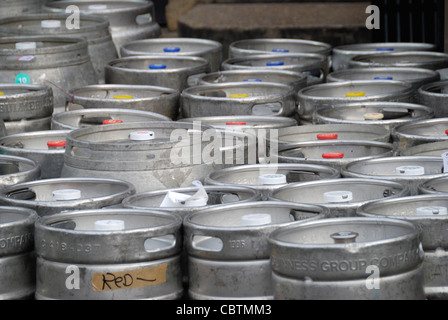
(276, 108)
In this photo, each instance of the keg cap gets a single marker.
(355, 94)
(446, 131)
(339, 196)
(238, 95)
(2, 93)
(327, 136)
(66, 194)
(171, 49)
(332, 155)
(112, 121)
(410, 170)
(56, 144)
(431, 211)
(280, 50)
(383, 78)
(109, 225)
(271, 179)
(344, 236)
(141, 135)
(177, 199)
(157, 66)
(235, 123)
(373, 116)
(123, 96)
(26, 45)
(49, 24)
(274, 63)
(97, 6)
(384, 49)
(256, 219)
(253, 80)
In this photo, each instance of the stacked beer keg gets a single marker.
(140, 167)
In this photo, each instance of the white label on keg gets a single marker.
(177, 199)
(445, 162)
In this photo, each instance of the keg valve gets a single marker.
(344, 236)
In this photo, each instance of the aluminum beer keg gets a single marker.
(426, 149)
(327, 94)
(109, 254)
(14, 170)
(420, 132)
(291, 78)
(437, 185)
(414, 59)
(411, 171)
(17, 257)
(239, 98)
(341, 196)
(129, 20)
(51, 196)
(347, 259)
(72, 120)
(314, 66)
(9, 8)
(341, 55)
(60, 62)
(227, 247)
(386, 114)
(163, 71)
(23, 107)
(46, 147)
(428, 213)
(435, 96)
(164, 101)
(269, 177)
(94, 28)
(208, 49)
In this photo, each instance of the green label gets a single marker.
(22, 78)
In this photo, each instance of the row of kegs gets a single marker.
(289, 170)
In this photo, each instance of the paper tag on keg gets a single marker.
(445, 162)
(177, 199)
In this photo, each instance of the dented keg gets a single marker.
(164, 101)
(410, 171)
(347, 259)
(72, 120)
(208, 49)
(164, 71)
(239, 98)
(50, 196)
(17, 257)
(327, 94)
(46, 147)
(429, 214)
(109, 254)
(341, 196)
(269, 177)
(129, 20)
(435, 96)
(342, 54)
(14, 170)
(382, 113)
(227, 247)
(94, 28)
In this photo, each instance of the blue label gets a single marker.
(22, 78)
(171, 49)
(157, 66)
(253, 80)
(384, 49)
(275, 63)
(280, 50)
(383, 78)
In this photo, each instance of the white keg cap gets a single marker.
(339, 196)
(25, 45)
(97, 6)
(431, 211)
(410, 170)
(66, 194)
(109, 225)
(50, 24)
(141, 135)
(373, 116)
(271, 179)
(177, 199)
(256, 219)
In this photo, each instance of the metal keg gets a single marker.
(46, 147)
(428, 213)
(14, 170)
(190, 199)
(291, 78)
(341, 55)
(51, 196)
(347, 259)
(164, 71)
(109, 254)
(61, 62)
(150, 155)
(164, 101)
(327, 94)
(314, 66)
(269, 177)
(210, 50)
(227, 247)
(17, 257)
(414, 133)
(411, 171)
(409, 59)
(25, 107)
(435, 96)
(94, 28)
(129, 20)
(437, 185)
(426, 149)
(239, 98)
(72, 120)
(382, 113)
(9, 8)
(341, 196)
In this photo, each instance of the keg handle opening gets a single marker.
(268, 109)
(155, 244)
(22, 194)
(206, 243)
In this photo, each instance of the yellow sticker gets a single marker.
(355, 94)
(129, 279)
(1, 93)
(124, 96)
(239, 95)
